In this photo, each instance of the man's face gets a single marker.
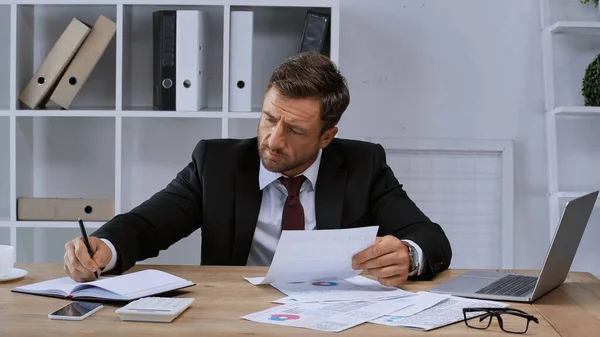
(289, 133)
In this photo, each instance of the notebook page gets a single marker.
(97, 293)
(141, 283)
(63, 286)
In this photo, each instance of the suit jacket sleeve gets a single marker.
(169, 215)
(396, 214)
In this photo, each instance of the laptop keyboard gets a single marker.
(510, 285)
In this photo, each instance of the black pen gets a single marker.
(85, 240)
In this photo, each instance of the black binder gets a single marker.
(315, 35)
(164, 29)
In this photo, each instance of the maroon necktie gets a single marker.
(293, 213)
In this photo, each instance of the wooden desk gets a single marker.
(222, 296)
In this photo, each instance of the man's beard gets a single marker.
(280, 166)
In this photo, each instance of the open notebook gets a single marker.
(125, 287)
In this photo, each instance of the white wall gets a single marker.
(458, 69)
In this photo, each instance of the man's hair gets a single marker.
(313, 75)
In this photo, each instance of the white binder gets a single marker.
(240, 61)
(190, 61)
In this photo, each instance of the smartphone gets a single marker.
(75, 311)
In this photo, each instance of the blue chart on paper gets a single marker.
(324, 283)
(283, 317)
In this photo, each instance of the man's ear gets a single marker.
(328, 136)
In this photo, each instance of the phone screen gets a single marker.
(76, 309)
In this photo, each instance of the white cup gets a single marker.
(7, 259)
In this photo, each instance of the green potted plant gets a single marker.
(593, 1)
(590, 88)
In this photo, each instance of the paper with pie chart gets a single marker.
(323, 255)
(358, 288)
(332, 317)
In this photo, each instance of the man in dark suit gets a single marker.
(295, 175)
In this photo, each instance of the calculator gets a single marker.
(154, 309)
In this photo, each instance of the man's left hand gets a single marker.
(387, 259)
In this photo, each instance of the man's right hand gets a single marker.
(79, 265)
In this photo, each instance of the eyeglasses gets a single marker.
(510, 320)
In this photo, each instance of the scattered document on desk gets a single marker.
(332, 317)
(285, 300)
(357, 288)
(414, 304)
(421, 301)
(322, 255)
(124, 287)
(444, 313)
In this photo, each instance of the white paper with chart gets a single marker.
(321, 255)
(333, 317)
(446, 312)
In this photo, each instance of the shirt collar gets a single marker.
(266, 177)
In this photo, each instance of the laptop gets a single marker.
(494, 285)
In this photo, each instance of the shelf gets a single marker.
(155, 150)
(577, 153)
(196, 114)
(567, 58)
(45, 243)
(575, 27)
(571, 195)
(576, 111)
(111, 143)
(51, 224)
(242, 128)
(134, 113)
(4, 235)
(5, 213)
(36, 40)
(138, 54)
(244, 115)
(279, 26)
(67, 157)
(173, 114)
(281, 3)
(61, 113)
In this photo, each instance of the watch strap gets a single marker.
(414, 264)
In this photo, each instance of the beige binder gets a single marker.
(84, 62)
(38, 90)
(65, 209)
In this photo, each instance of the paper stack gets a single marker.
(429, 312)
(313, 268)
(333, 305)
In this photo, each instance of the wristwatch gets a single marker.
(413, 259)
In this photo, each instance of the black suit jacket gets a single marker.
(218, 191)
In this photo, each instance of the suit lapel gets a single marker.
(248, 198)
(329, 195)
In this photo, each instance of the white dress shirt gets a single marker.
(268, 227)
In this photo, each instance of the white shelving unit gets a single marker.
(568, 47)
(110, 143)
(576, 111)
